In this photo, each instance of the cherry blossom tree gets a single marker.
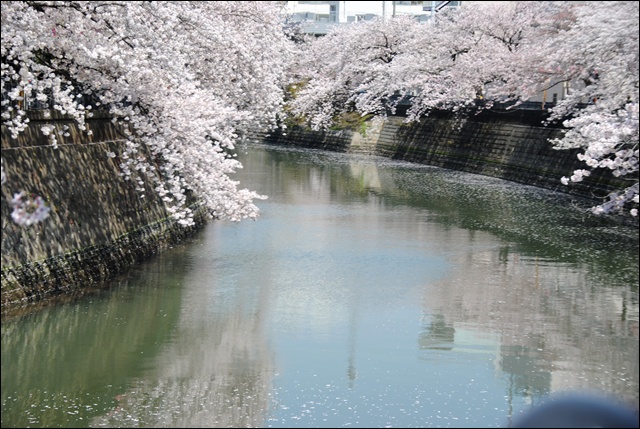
(500, 52)
(368, 66)
(190, 78)
(187, 78)
(350, 69)
(600, 52)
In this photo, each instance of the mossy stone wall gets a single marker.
(512, 145)
(98, 225)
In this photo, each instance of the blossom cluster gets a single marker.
(487, 52)
(184, 80)
(28, 210)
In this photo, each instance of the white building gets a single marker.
(319, 16)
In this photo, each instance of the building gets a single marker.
(318, 17)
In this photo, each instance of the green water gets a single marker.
(369, 293)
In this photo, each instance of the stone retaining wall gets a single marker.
(98, 225)
(510, 145)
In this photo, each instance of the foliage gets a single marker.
(353, 121)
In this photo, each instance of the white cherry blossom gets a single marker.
(188, 79)
(493, 52)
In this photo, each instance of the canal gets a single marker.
(369, 293)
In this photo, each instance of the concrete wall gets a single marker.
(510, 145)
(98, 224)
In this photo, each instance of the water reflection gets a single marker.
(369, 293)
(216, 371)
(65, 364)
(437, 334)
(577, 333)
(557, 293)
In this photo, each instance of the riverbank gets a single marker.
(99, 225)
(512, 145)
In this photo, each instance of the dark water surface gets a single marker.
(369, 293)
